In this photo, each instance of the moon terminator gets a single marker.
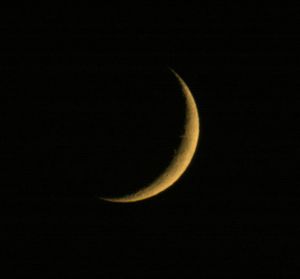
(181, 159)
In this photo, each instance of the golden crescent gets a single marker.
(181, 160)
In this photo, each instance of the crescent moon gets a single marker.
(182, 159)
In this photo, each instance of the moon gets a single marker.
(182, 158)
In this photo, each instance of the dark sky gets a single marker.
(88, 107)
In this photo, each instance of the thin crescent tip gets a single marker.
(173, 71)
(181, 81)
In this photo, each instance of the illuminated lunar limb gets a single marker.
(182, 158)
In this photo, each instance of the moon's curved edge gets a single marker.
(180, 162)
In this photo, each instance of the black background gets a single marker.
(89, 108)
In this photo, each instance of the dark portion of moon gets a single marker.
(145, 132)
(105, 132)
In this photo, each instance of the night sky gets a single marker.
(89, 108)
